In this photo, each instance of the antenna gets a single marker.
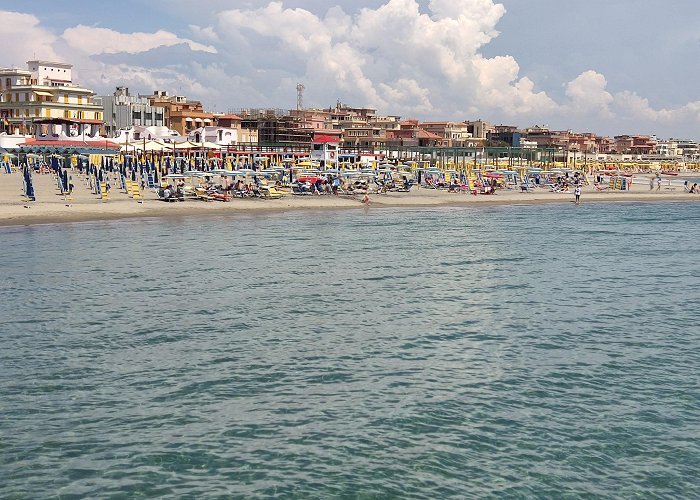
(300, 96)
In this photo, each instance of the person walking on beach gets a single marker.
(577, 193)
(651, 183)
(658, 183)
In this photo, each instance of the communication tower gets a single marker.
(300, 96)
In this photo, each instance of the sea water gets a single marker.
(505, 351)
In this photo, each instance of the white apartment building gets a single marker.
(44, 90)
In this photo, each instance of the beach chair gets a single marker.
(136, 191)
(270, 192)
(202, 194)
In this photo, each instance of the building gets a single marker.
(122, 111)
(364, 137)
(405, 136)
(505, 134)
(635, 144)
(324, 150)
(688, 149)
(42, 92)
(67, 136)
(275, 127)
(180, 114)
(452, 134)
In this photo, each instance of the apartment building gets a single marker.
(181, 114)
(45, 90)
(122, 110)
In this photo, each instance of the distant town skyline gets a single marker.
(607, 67)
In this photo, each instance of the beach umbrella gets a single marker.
(28, 185)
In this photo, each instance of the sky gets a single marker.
(609, 67)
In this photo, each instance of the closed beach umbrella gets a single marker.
(28, 185)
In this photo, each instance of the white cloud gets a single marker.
(23, 39)
(91, 40)
(394, 57)
(587, 94)
(421, 59)
(206, 33)
(409, 94)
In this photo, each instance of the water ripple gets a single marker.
(475, 352)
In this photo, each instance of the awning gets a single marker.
(183, 145)
(207, 120)
(45, 94)
(198, 119)
(188, 119)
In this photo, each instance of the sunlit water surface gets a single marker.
(537, 351)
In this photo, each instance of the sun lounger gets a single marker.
(270, 192)
(202, 194)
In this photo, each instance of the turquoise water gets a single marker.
(517, 351)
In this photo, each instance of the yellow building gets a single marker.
(44, 90)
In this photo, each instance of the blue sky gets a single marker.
(605, 66)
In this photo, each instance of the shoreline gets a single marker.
(59, 211)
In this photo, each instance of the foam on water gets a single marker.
(481, 351)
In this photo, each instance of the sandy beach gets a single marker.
(52, 207)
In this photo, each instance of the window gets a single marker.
(65, 99)
(26, 96)
(37, 112)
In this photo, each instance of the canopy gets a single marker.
(184, 145)
(150, 146)
(312, 180)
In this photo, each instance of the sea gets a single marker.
(515, 351)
